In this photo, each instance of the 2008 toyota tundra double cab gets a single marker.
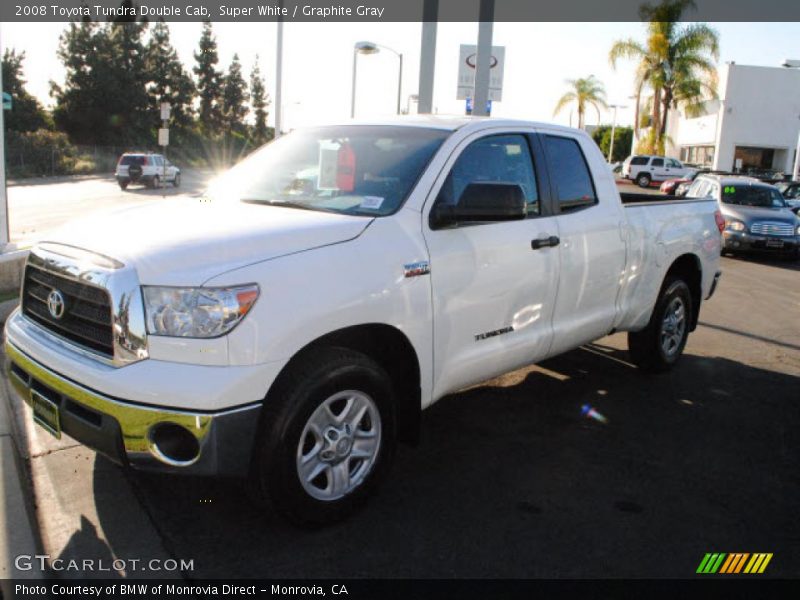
(292, 324)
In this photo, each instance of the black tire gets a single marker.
(155, 183)
(646, 347)
(320, 375)
(177, 181)
(643, 180)
(123, 185)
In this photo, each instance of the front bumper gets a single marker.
(735, 241)
(124, 431)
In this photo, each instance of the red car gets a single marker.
(668, 187)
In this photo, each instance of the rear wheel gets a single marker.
(659, 346)
(643, 180)
(123, 185)
(327, 437)
(156, 182)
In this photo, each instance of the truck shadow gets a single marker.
(510, 480)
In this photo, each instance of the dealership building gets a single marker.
(754, 124)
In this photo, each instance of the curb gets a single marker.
(12, 262)
(19, 536)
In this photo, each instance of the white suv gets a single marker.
(146, 168)
(644, 169)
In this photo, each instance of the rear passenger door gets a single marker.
(592, 251)
(658, 169)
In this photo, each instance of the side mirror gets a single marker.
(482, 202)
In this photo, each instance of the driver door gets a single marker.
(494, 283)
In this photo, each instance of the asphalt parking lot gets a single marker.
(509, 480)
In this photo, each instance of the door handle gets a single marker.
(547, 242)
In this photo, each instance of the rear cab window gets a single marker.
(570, 177)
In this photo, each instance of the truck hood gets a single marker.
(186, 242)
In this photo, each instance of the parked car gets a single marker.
(670, 186)
(341, 280)
(757, 218)
(146, 168)
(645, 170)
(790, 190)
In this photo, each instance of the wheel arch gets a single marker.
(393, 351)
(689, 268)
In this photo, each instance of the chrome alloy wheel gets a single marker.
(339, 445)
(673, 327)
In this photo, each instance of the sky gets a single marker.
(318, 60)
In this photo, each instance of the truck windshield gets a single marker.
(752, 195)
(353, 169)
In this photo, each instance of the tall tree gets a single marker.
(209, 81)
(26, 112)
(168, 81)
(260, 101)
(234, 97)
(128, 101)
(585, 92)
(104, 98)
(677, 62)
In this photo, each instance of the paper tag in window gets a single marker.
(373, 202)
(328, 160)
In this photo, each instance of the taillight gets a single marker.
(145, 162)
(720, 220)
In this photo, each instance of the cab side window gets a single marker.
(569, 174)
(657, 162)
(493, 159)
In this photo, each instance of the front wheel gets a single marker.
(327, 438)
(177, 181)
(659, 346)
(643, 180)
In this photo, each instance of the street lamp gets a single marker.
(613, 128)
(372, 48)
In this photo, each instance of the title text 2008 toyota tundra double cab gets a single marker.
(292, 324)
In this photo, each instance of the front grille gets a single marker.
(87, 312)
(772, 228)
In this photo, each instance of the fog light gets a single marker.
(173, 444)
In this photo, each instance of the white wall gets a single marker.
(760, 107)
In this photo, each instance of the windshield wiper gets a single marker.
(281, 203)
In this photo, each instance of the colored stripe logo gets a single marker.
(734, 563)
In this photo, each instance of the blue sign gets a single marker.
(469, 106)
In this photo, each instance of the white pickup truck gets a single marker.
(292, 324)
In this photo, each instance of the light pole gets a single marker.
(372, 48)
(279, 74)
(613, 129)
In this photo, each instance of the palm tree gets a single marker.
(675, 62)
(585, 92)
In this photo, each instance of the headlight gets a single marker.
(735, 225)
(196, 312)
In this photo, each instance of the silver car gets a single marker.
(757, 219)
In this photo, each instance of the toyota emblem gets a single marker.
(56, 304)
